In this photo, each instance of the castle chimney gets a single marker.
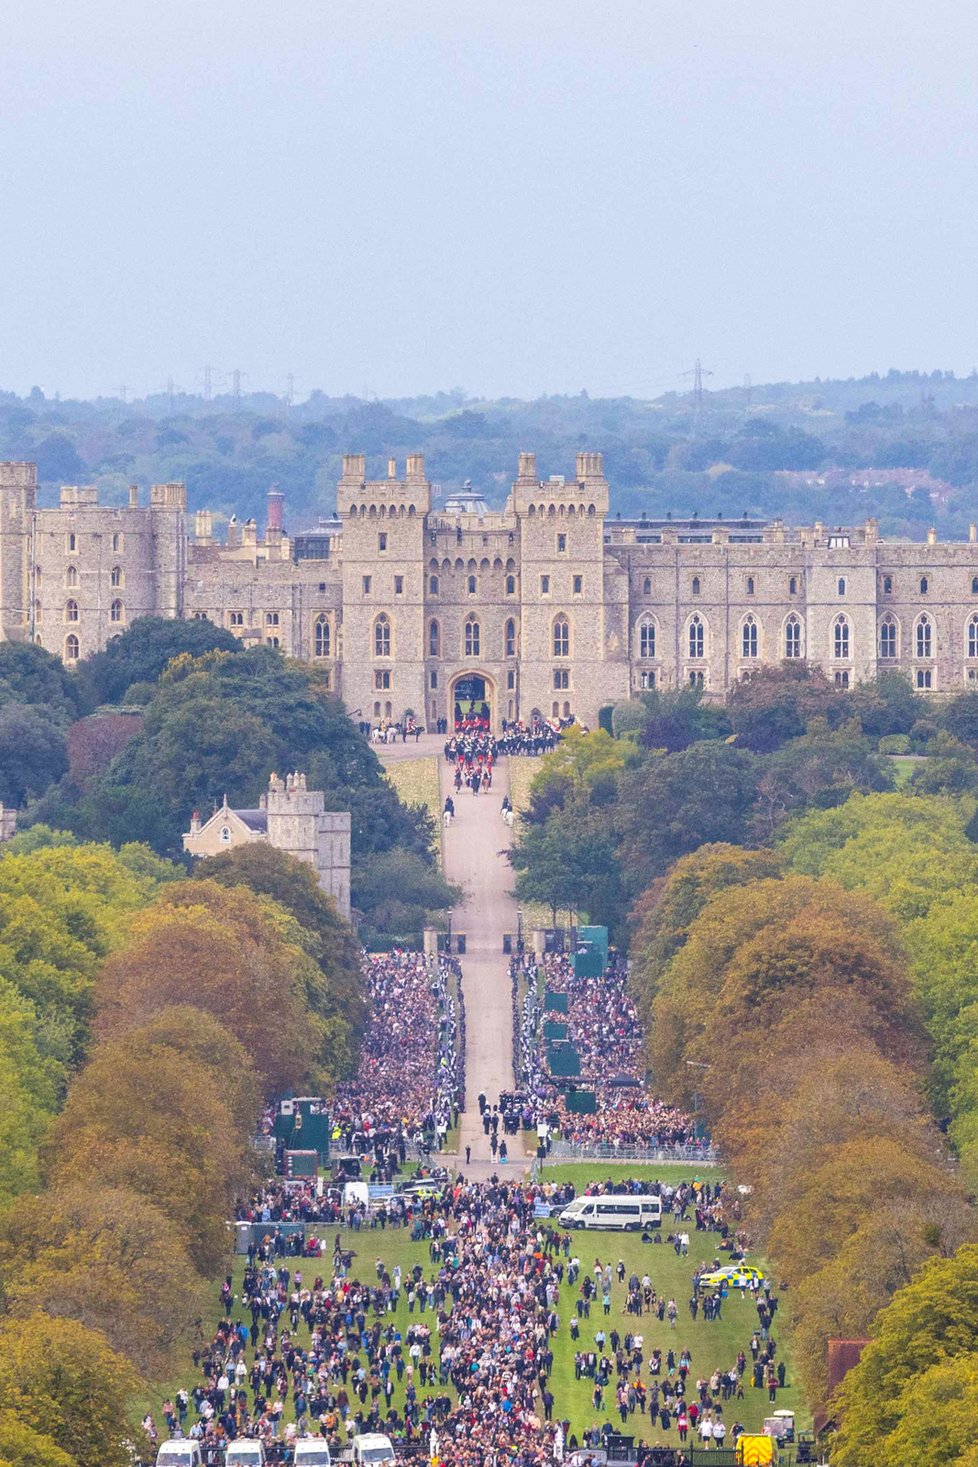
(133, 496)
(415, 466)
(527, 468)
(276, 499)
(392, 468)
(932, 536)
(355, 467)
(973, 533)
(203, 527)
(195, 823)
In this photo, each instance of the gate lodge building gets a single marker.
(548, 606)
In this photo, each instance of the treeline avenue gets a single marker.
(145, 1019)
(804, 943)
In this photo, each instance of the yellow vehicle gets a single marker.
(735, 1276)
(756, 1451)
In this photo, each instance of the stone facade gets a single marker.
(291, 818)
(550, 605)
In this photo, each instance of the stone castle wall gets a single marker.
(559, 608)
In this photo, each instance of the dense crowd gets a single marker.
(466, 1371)
(410, 1082)
(604, 1031)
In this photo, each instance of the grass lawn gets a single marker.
(521, 774)
(416, 783)
(903, 767)
(712, 1344)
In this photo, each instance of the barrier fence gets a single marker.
(603, 1151)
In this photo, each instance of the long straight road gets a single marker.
(475, 859)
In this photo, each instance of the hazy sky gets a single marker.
(515, 198)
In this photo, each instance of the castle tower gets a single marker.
(299, 824)
(18, 498)
(567, 623)
(383, 587)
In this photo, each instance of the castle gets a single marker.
(548, 606)
(291, 818)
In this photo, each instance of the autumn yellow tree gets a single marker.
(217, 949)
(64, 1382)
(107, 1258)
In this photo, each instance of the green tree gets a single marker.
(904, 851)
(674, 803)
(928, 1326)
(33, 752)
(22, 1446)
(141, 653)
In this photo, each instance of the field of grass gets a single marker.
(903, 767)
(416, 783)
(711, 1344)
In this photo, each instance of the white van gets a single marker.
(370, 1449)
(181, 1453)
(624, 1211)
(311, 1451)
(245, 1452)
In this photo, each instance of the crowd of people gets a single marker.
(604, 1032)
(410, 1082)
(464, 1372)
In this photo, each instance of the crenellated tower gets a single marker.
(383, 586)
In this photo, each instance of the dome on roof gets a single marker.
(465, 501)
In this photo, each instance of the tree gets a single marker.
(63, 1381)
(138, 1116)
(22, 1446)
(862, 1175)
(33, 753)
(663, 914)
(217, 949)
(904, 851)
(677, 802)
(397, 893)
(31, 676)
(929, 1325)
(107, 1258)
(329, 939)
(677, 719)
(822, 768)
(890, 1242)
(142, 652)
(571, 864)
(950, 769)
(778, 703)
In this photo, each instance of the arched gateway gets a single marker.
(471, 699)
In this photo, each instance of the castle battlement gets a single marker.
(548, 607)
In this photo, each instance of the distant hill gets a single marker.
(806, 450)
